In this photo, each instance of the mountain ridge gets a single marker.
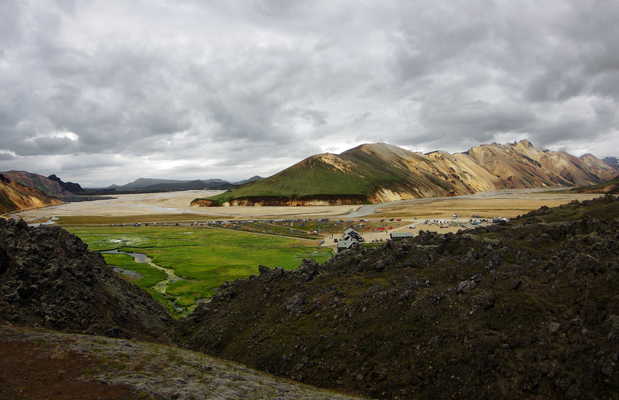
(378, 172)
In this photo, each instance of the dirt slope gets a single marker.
(528, 309)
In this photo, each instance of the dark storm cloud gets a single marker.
(106, 91)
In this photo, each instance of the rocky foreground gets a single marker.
(528, 309)
(525, 309)
(44, 365)
(48, 278)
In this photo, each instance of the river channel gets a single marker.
(141, 258)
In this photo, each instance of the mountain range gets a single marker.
(379, 172)
(369, 173)
(153, 185)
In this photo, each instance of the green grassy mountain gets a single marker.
(374, 173)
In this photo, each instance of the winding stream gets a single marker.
(141, 258)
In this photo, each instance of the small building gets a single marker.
(400, 235)
(353, 233)
(350, 239)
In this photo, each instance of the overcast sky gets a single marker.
(106, 91)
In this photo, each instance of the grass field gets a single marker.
(150, 276)
(204, 257)
(276, 229)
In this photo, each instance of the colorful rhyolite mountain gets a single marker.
(15, 196)
(374, 173)
(50, 186)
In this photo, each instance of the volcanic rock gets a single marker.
(48, 278)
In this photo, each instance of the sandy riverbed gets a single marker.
(173, 203)
(491, 204)
(506, 204)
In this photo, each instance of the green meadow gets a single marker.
(204, 258)
(149, 276)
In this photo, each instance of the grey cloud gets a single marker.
(10, 29)
(6, 156)
(477, 119)
(239, 87)
(68, 6)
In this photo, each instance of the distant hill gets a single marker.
(210, 184)
(15, 196)
(142, 183)
(153, 185)
(612, 161)
(249, 180)
(374, 173)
